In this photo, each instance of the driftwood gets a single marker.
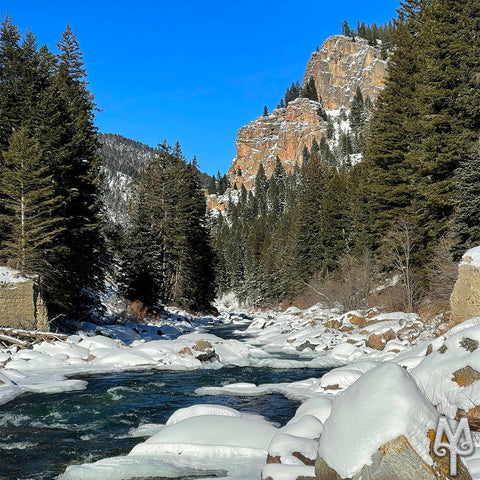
(25, 338)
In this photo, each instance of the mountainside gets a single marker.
(123, 160)
(338, 68)
(342, 65)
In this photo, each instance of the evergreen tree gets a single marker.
(309, 90)
(78, 254)
(29, 200)
(466, 228)
(265, 111)
(357, 111)
(309, 248)
(346, 29)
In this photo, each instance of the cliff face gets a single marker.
(343, 65)
(282, 133)
(337, 69)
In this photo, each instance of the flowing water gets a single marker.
(41, 434)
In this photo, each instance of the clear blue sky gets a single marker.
(193, 71)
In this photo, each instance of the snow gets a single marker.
(471, 257)
(9, 275)
(212, 444)
(380, 406)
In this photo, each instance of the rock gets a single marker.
(334, 323)
(397, 460)
(473, 416)
(21, 305)
(429, 350)
(185, 351)
(465, 299)
(303, 459)
(341, 66)
(469, 344)
(442, 349)
(324, 472)
(358, 321)
(378, 341)
(305, 345)
(283, 133)
(346, 328)
(465, 376)
(203, 350)
(273, 459)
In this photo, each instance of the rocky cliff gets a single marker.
(282, 133)
(338, 69)
(341, 66)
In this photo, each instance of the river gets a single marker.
(40, 434)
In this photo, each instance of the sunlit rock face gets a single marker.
(341, 66)
(283, 133)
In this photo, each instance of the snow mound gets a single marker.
(210, 436)
(471, 257)
(380, 406)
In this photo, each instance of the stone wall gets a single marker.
(21, 306)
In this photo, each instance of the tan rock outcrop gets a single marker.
(397, 460)
(465, 299)
(341, 66)
(283, 133)
(22, 307)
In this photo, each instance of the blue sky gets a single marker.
(193, 71)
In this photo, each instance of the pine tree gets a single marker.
(466, 228)
(309, 249)
(386, 175)
(309, 90)
(346, 29)
(265, 111)
(29, 200)
(77, 257)
(357, 111)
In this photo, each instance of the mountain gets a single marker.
(123, 163)
(338, 68)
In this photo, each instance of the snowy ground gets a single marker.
(366, 347)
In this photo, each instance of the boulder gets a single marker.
(203, 350)
(397, 460)
(465, 299)
(21, 305)
(378, 341)
(465, 376)
(357, 320)
(334, 323)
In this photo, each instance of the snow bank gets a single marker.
(380, 406)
